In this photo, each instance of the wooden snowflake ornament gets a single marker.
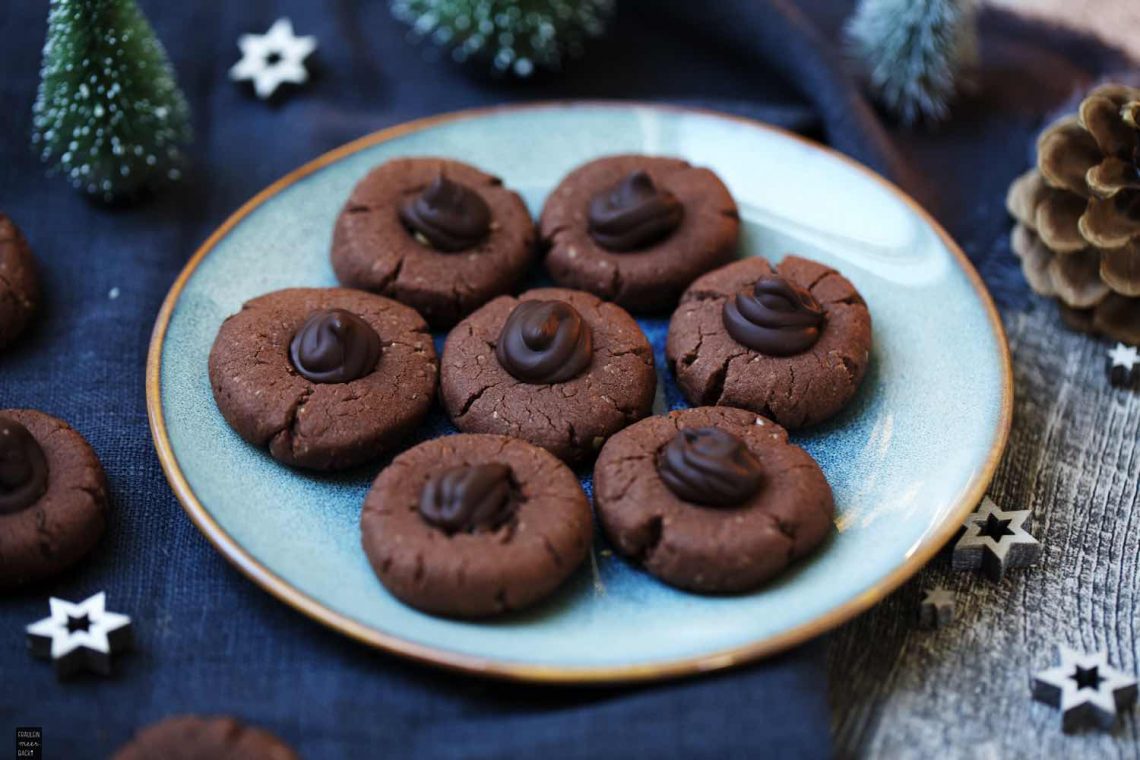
(1088, 691)
(995, 540)
(272, 59)
(82, 636)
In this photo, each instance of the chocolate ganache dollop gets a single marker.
(545, 342)
(709, 466)
(335, 346)
(778, 318)
(23, 467)
(633, 214)
(468, 498)
(449, 215)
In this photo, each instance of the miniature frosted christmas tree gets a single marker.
(109, 115)
(915, 52)
(515, 35)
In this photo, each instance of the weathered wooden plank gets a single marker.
(963, 691)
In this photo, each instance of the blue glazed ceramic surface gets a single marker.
(911, 454)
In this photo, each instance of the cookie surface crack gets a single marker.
(554, 555)
(473, 398)
(715, 390)
(654, 530)
(288, 432)
(392, 278)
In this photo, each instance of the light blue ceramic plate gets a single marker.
(908, 460)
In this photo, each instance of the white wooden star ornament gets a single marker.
(272, 59)
(83, 636)
(995, 540)
(937, 608)
(1122, 363)
(1088, 691)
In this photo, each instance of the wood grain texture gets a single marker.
(898, 691)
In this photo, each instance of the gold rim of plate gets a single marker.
(464, 663)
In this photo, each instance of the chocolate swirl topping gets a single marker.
(545, 342)
(468, 498)
(709, 466)
(449, 215)
(633, 214)
(335, 346)
(779, 318)
(23, 467)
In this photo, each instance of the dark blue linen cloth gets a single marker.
(209, 641)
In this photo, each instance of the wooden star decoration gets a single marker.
(272, 59)
(1122, 363)
(994, 541)
(936, 609)
(1086, 688)
(82, 636)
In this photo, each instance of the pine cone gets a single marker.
(1116, 317)
(1056, 260)
(1078, 214)
(1093, 160)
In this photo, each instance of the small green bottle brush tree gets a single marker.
(109, 115)
(516, 36)
(915, 53)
